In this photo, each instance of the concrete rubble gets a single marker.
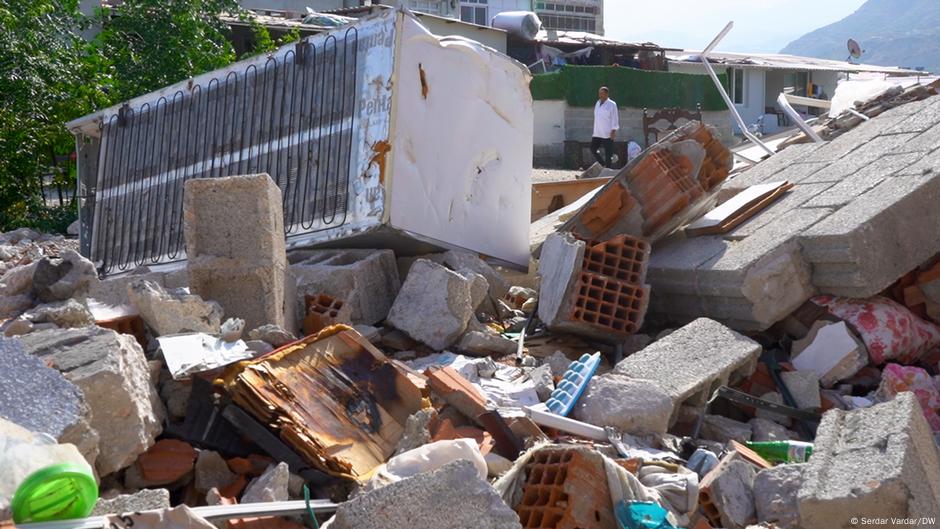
(235, 236)
(876, 463)
(173, 311)
(111, 371)
(783, 374)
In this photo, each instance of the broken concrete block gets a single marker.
(804, 387)
(479, 288)
(544, 383)
(112, 372)
(414, 503)
(58, 279)
(175, 394)
(145, 500)
(17, 280)
(722, 429)
(270, 486)
(40, 399)
(767, 430)
(15, 304)
(433, 305)
(594, 290)
(775, 491)
(483, 343)
(559, 363)
(235, 247)
(731, 493)
(232, 329)
(832, 351)
(68, 313)
(880, 462)
(212, 471)
(462, 259)
(173, 311)
(260, 347)
(272, 334)
(17, 327)
(366, 280)
(417, 432)
(693, 360)
(633, 405)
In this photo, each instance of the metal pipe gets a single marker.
(216, 512)
(724, 94)
(795, 116)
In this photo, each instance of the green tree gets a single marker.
(44, 82)
(149, 44)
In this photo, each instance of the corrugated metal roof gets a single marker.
(776, 61)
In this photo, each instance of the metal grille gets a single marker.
(292, 117)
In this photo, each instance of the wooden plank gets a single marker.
(545, 193)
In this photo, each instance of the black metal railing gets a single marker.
(292, 117)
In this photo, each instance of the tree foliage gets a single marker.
(44, 81)
(50, 75)
(149, 44)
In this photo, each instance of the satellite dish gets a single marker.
(855, 51)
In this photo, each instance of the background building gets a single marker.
(572, 15)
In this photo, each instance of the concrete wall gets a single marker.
(556, 122)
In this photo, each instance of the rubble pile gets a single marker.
(781, 372)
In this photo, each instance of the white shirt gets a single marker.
(606, 118)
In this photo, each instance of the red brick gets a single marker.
(322, 311)
(612, 305)
(167, 461)
(457, 391)
(566, 489)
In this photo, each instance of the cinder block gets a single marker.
(775, 495)
(878, 463)
(367, 280)
(235, 216)
(255, 294)
(234, 230)
(566, 489)
(433, 305)
(690, 363)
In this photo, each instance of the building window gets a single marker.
(737, 85)
(426, 6)
(568, 23)
(474, 11)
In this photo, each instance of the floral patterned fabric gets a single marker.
(897, 378)
(890, 331)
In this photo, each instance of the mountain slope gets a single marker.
(892, 33)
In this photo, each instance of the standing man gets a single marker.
(606, 125)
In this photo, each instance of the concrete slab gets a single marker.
(878, 463)
(865, 246)
(693, 361)
(39, 398)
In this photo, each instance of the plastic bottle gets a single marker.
(41, 479)
(782, 451)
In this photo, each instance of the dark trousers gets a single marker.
(608, 145)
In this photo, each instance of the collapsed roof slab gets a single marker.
(862, 213)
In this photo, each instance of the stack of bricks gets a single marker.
(595, 289)
(664, 188)
(566, 489)
(611, 293)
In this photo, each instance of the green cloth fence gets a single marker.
(629, 87)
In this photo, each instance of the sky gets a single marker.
(759, 25)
